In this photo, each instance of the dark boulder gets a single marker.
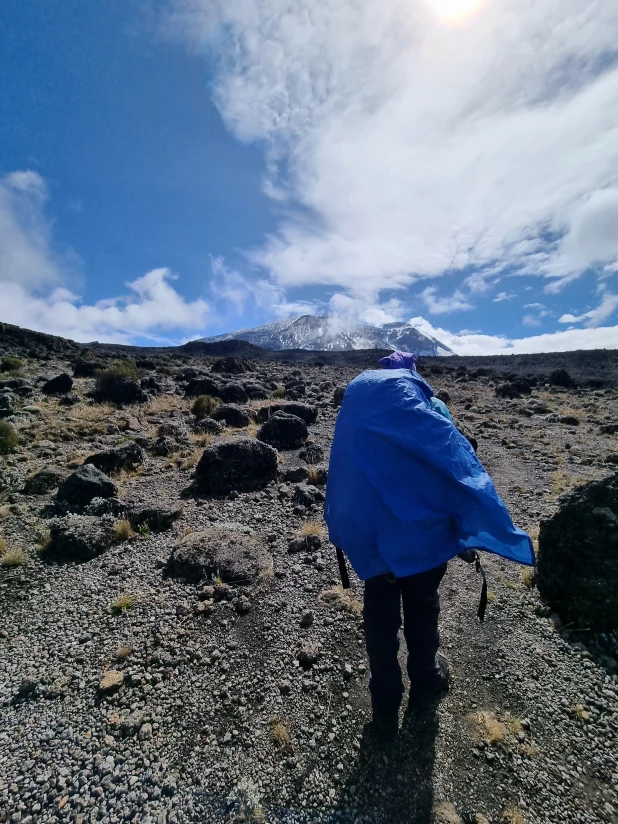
(312, 454)
(78, 538)
(308, 496)
(87, 368)
(234, 556)
(128, 456)
(231, 366)
(125, 391)
(284, 431)
(156, 519)
(513, 389)
(107, 506)
(82, 486)
(44, 481)
(59, 385)
(256, 391)
(9, 403)
(241, 464)
(203, 386)
(174, 429)
(234, 393)
(308, 413)
(146, 364)
(568, 420)
(207, 426)
(560, 377)
(577, 571)
(164, 447)
(152, 384)
(338, 395)
(232, 415)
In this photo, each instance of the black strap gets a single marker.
(343, 570)
(483, 602)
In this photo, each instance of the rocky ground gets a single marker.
(130, 694)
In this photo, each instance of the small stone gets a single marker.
(145, 732)
(306, 618)
(182, 610)
(243, 605)
(111, 681)
(284, 687)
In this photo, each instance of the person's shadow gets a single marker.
(392, 780)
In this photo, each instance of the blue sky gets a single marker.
(176, 169)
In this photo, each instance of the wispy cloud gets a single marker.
(150, 308)
(476, 343)
(35, 272)
(456, 302)
(598, 315)
(417, 145)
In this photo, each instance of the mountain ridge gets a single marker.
(324, 333)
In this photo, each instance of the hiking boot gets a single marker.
(383, 727)
(424, 697)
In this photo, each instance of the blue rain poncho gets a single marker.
(405, 490)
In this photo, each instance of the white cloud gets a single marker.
(150, 308)
(415, 146)
(27, 255)
(439, 306)
(502, 296)
(475, 343)
(229, 286)
(598, 315)
(34, 274)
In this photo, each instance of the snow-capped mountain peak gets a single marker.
(330, 333)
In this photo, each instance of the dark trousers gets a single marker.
(382, 613)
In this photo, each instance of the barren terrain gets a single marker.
(216, 715)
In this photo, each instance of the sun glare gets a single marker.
(455, 10)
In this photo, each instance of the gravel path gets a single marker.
(216, 708)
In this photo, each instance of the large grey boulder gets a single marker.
(308, 413)
(44, 481)
(231, 414)
(127, 456)
(79, 538)
(234, 556)
(82, 486)
(284, 431)
(202, 386)
(577, 571)
(59, 385)
(234, 393)
(241, 464)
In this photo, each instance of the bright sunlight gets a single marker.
(455, 10)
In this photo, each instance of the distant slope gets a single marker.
(321, 333)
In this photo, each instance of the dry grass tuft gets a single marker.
(278, 393)
(43, 542)
(311, 528)
(191, 460)
(124, 651)
(563, 481)
(123, 531)
(13, 558)
(280, 734)
(123, 603)
(528, 577)
(2, 546)
(485, 726)
(5, 511)
(512, 815)
(341, 599)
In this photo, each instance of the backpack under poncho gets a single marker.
(405, 489)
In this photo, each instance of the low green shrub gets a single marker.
(204, 406)
(10, 363)
(118, 370)
(8, 438)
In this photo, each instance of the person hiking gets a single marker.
(406, 494)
